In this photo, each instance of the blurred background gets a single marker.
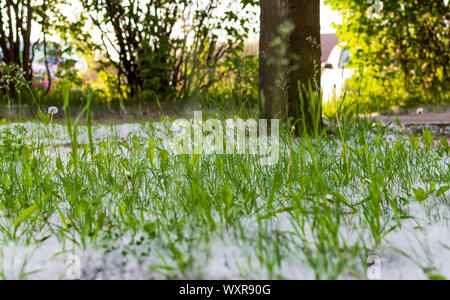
(142, 58)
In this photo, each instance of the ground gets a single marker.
(370, 202)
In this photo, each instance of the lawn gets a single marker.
(361, 200)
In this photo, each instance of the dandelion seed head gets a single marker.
(419, 111)
(52, 110)
(293, 130)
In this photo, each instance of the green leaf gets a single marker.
(122, 209)
(444, 143)
(420, 194)
(442, 191)
(25, 215)
(428, 138)
(433, 274)
(436, 277)
(414, 142)
(151, 156)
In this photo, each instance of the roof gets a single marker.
(328, 42)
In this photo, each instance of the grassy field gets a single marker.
(359, 201)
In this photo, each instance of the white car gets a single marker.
(335, 74)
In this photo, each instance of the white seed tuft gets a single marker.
(52, 110)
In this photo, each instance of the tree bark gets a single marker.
(279, 85)
(272, 102)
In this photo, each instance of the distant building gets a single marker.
(328, 42)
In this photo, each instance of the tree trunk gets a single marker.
(279, 83)
(15, 34)
(272, 102)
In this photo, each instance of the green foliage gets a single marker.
(12, 81)
(237, 92)
(17, 20)
(170, 48)
(401, 53)
(12, 141)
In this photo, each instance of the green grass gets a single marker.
(328, 204)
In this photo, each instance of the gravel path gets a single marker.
(431, 119)
(437, 122)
